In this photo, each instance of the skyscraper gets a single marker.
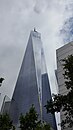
(63, 53)
(32, 86)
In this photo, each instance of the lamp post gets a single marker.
(1, 80)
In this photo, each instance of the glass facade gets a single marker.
(32, 86)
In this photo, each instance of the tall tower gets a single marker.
(32, 86)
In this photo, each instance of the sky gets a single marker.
(53, 19)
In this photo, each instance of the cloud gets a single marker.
(17, 19)
(67, 31)
(53, 19)
(40, 6)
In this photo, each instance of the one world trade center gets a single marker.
(32, 85)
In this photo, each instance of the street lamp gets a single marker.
(1, 80)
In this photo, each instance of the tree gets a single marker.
(64, 102)
(5, 122)
(30, 121)
(43, 126)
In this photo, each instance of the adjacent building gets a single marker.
(62, 53)
(5, 105)
(32, 85)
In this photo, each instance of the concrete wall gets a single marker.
(62, 53)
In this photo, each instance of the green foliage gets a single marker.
(43, 126)
(5, 122)
(64, 102)
(68, 68)
(30, 121)
(46, 127)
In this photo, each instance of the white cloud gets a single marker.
(17, 19)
